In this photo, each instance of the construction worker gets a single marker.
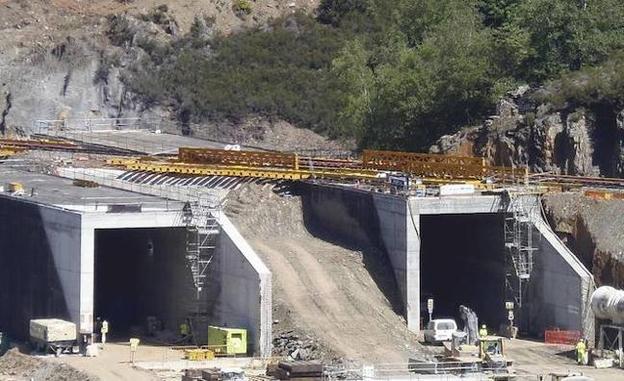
(581, 347)
(483, 331)
(184, 330)
(104, 331)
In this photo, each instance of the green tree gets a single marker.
(334, 11)
(497, 12)
(434, 88)
(542, 38)
(351, 68)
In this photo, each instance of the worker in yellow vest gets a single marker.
(184, 330)
(483, 331)
(581, 348)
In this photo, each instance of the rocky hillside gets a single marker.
(593, 230)
(587, 141)
(59, 60)
(566, 140)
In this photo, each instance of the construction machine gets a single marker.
(53, 335)
(487, 356)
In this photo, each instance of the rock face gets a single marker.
(593, 230)
(67, 80)
(67, 61)
(574, 141)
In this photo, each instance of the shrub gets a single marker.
(242, 7)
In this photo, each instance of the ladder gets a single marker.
(519, 245)
(202, 229)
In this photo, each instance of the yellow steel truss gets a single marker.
(244, 171)
(287, 166)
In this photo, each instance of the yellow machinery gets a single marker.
(6, 152)
(490, 346)
(227, 341)
(16, 188)
(198, 354)
(488, 356)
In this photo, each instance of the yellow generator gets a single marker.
(227, 341)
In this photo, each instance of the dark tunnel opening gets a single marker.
(141, 273)
(463, 262)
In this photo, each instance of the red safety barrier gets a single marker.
(556, 336)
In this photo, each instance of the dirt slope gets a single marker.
(15, 366)
(320, 289)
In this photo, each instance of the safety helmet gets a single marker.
(483, 326)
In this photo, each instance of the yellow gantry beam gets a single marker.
(9, 151)
(244, 171)
(285, 166)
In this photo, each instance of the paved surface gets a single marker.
(151, 363)
(113, 363)
(532, 358)
(140, 141)
(52, 190)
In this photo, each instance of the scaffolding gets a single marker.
(611, 340)
(519, 244)
(202, 229)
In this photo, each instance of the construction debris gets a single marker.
(291, 370)
(17, 366)
(291, 345)
(213, 374)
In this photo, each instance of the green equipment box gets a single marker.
(227, 341)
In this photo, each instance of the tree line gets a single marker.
(392, 74)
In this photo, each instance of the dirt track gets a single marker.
(322, 289)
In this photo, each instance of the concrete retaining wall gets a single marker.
(39, 264)
(245, 298)
(399, 232)
(560, 289)
(358, 219)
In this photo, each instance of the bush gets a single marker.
(283, 72)
(242, 7)
(119, 31)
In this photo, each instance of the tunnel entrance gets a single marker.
(141, 273)
(463, 262)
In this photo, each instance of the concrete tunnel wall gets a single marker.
(560, 289)
(40, 260)
(561, 285)
(47, 269)
(358, 219)
(245, 296)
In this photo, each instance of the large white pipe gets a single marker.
(608, 303)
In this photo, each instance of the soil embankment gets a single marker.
(320, 290)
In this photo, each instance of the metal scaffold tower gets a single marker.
(202, 229)
(519, 245)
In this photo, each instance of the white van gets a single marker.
(439, 330)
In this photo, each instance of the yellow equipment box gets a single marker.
(227, 341)
(16, 187)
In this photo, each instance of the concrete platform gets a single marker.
(61, 193)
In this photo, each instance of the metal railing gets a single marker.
(51, 126)
(426, 370)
